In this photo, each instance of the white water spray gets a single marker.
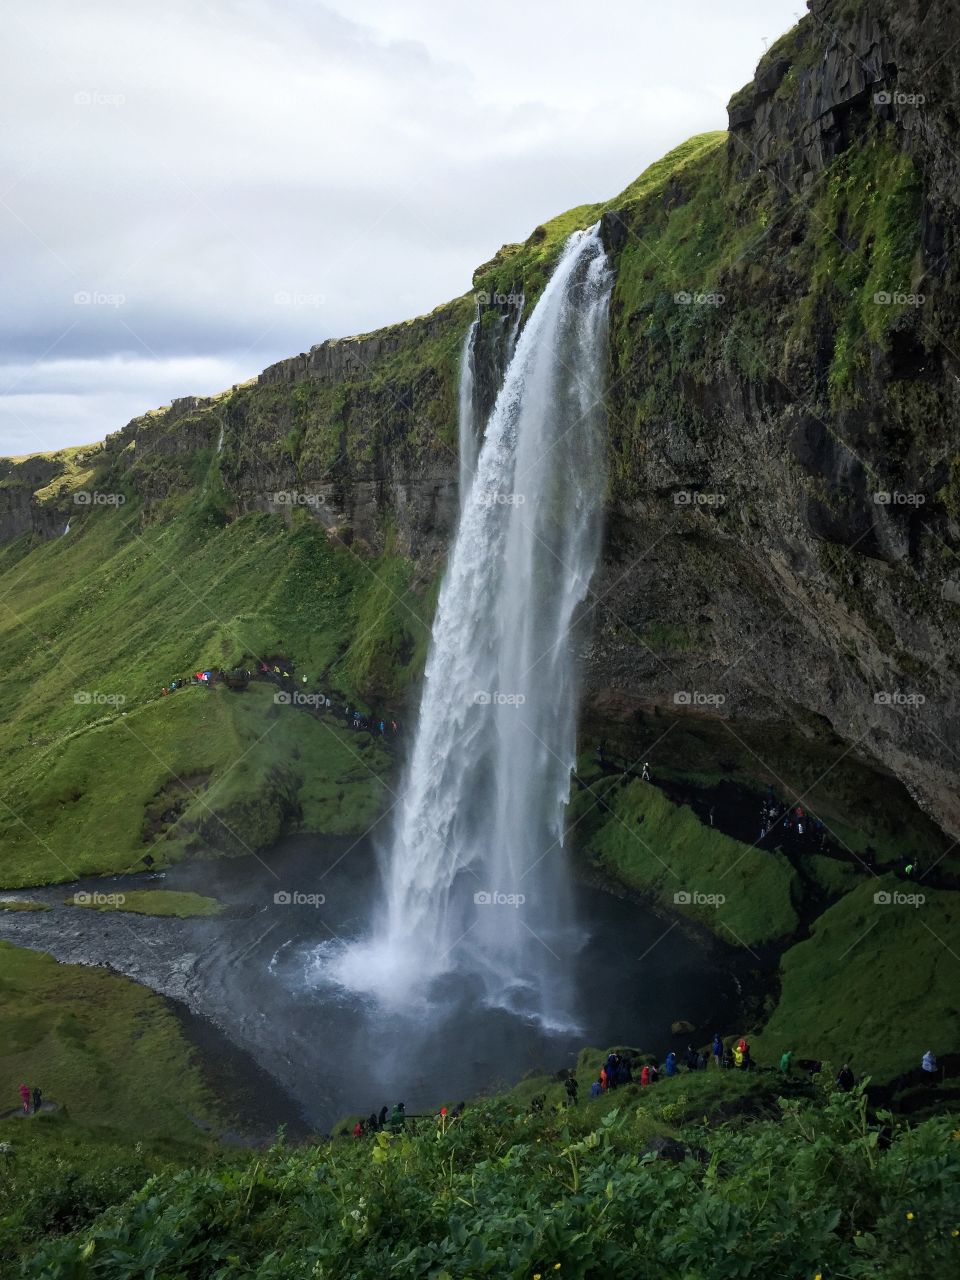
(475, 878)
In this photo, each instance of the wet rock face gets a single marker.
(778, 552)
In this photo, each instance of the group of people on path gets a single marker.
(28, 1096)
(282, 673)
(618, 1069)
(395, 1121)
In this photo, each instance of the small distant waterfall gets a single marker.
(467, 410)
(514, 331)
(475, 879)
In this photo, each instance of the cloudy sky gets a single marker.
(194, 189)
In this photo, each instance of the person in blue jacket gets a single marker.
(670, 1066)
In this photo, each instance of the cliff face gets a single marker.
(784, 517)
(787, 450)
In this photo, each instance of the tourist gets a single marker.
(372, 1125)
(25, 1098)
(398, 1117)
(738, 1055)
(691, 1058)
(654, 1073)
(670, 1066)
(358, 1129)
(645, 775)
(717, 1048)
(37, 1099)
(728, 1063)
(604, 1079)
(928, 1066)
(382, 1117)
(786, 1060)
(845, 1078)
(644, 1077)
(571, 1086)
(596, 1089)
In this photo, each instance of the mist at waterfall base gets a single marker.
(476, 890)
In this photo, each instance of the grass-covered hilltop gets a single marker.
(774, 630)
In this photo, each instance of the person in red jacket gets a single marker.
(25, 1098)
(644, 1077)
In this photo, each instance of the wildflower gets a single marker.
(909, 1217)
(537, 1276)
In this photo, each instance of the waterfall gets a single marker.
(514, 331)
(475, 881)
(467, 411)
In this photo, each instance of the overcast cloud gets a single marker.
(187, 166)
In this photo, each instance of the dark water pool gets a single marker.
(264, 974)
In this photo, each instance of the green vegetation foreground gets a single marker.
(798, 1186)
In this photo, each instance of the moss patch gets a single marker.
(156, 902)
(638, 835)
(876, 984)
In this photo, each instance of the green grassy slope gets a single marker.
(106, 1051)
(745, 895)
(113, 615)
(876, 984)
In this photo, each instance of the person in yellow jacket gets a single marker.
(737, 1056)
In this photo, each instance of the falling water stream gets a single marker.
(467, 410)
(475, 881)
